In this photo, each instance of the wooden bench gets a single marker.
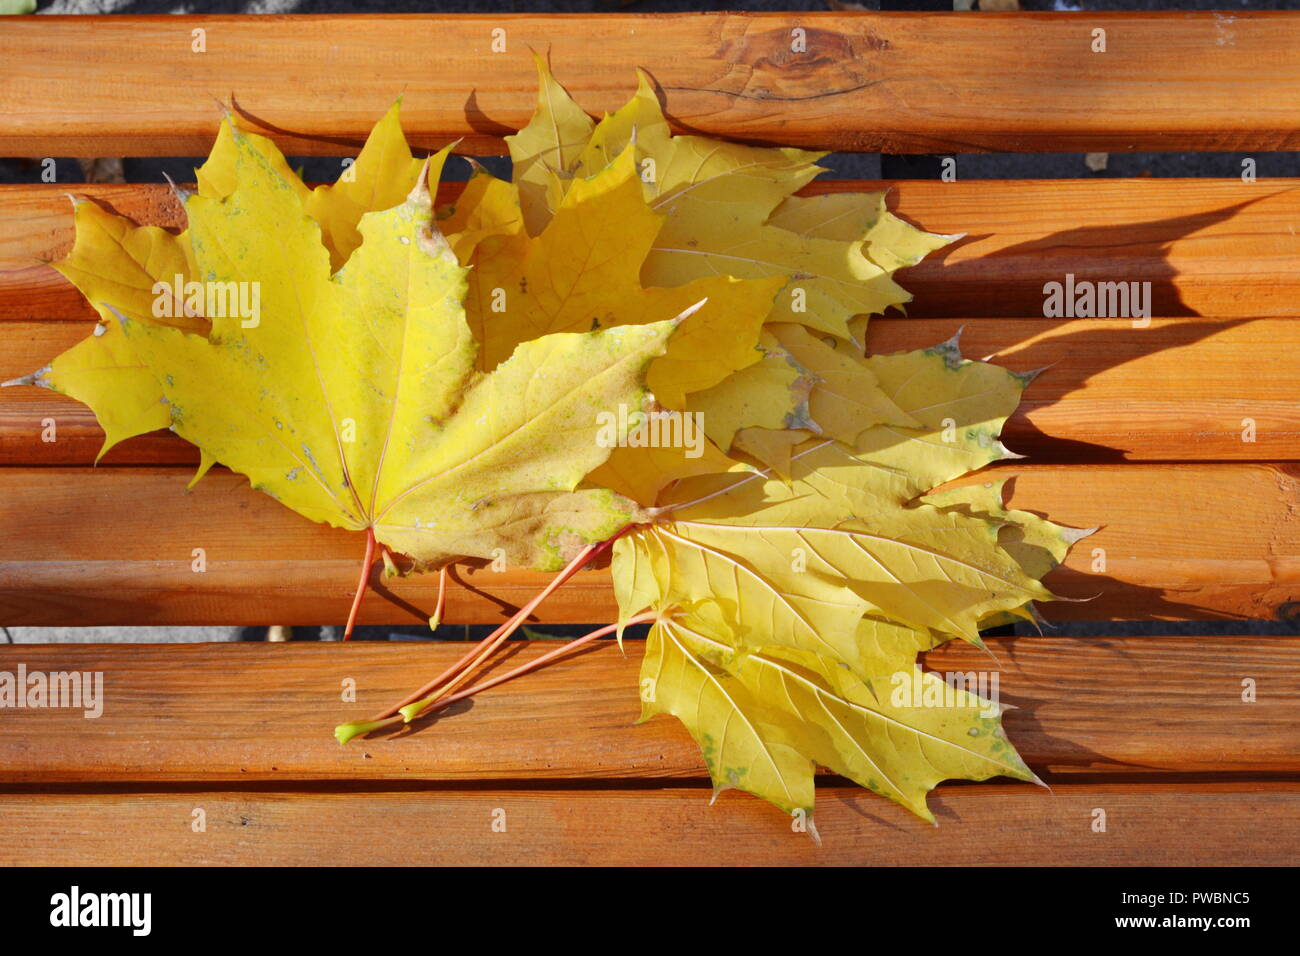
(1137, 429)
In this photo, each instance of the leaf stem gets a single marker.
(361, 584)
(436, 619)
(437, 702)
(489, 644)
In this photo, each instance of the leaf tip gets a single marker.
(689, 311)
(39, 377)
(1072, 536)
(1027, 378)
(182, 195)
(122, 320)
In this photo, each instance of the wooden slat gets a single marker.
(1175, 390)
(113, 546)
(1208, 247)
(875, 82)
(1204, 247)
(1148, 825)
(257, 712)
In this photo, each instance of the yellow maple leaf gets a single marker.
(730, 209)
(792, 610)
(353, 398)
(543, 152)
(569, 245)
(114, 261)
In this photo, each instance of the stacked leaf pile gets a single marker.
(491, 377)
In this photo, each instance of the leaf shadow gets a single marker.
(1136, 251)
(480, 122)
(1133, 252)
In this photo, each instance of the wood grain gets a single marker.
(1208, 247)
(929, 82)
(253, 712)
(1175, 390)
(114, 546)
(1147, 825)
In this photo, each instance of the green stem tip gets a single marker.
(345, 732)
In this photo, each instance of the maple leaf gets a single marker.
(730, 209)
(710, 209)
(354, 399)
(764, 717)
(352, 395)
(823, 586)
(115, 262)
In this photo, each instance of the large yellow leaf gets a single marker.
(763, 716)
(820, 616)
(829, 581)
(114, 261)
(354, 401)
